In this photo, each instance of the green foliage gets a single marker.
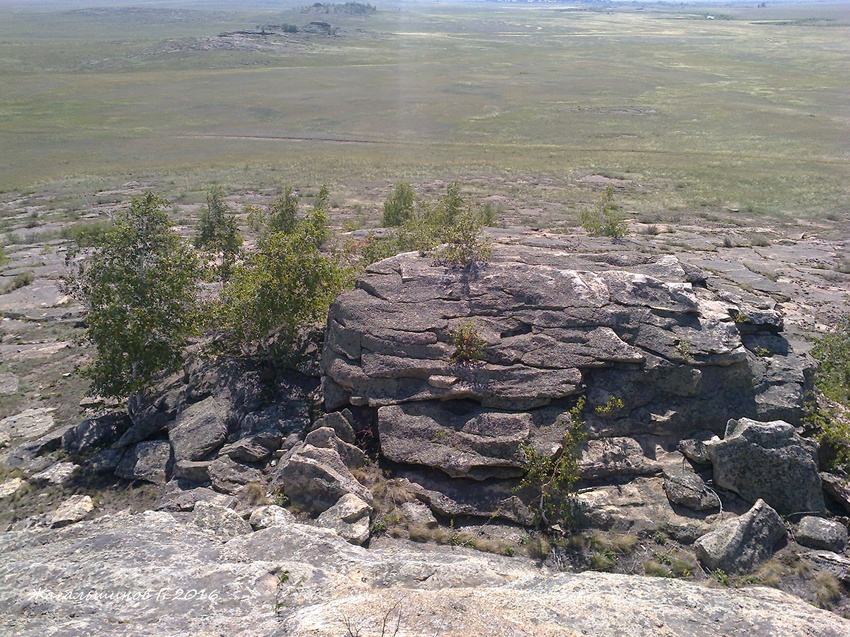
(18, 281)
(399, 205)
(218, 233)
(833, 353)
(469, 346)
(462, 246)
(283, 216)
(87, 234)
(721, 577)
(282, 288)
(138, 286)
(613, 405)
(553, 478)
(604, 219)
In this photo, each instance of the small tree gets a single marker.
(218, 233)
(287, 285)
(604, 219)
(399, 205)
(284, 213)
(138, 286)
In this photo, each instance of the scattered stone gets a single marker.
(694, 448)
(105, 460)
(251, 449)
(687, 489)
(72, 510)
(11, 486)
(768, 461)
(349, 517)
(177, 499)
(326, 437)
(193, 471)
(270, 515)
(340, 424)
(95, 432)
(223, 523)
(29, 423)
(739, 545)
(316, 478)
(150, 461)
(229, 476)
(818, 533)
(609, 457)
(200, 429)
(417, 514)
(58, 473)
(838, 488)
(9, 383)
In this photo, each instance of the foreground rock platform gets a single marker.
(156, 574)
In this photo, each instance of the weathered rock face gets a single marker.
(768, 461)
(739, 545)
(818, 533)
(655, 351)
(130, 571)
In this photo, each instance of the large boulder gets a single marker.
(95, 432)
(315, 478)
(818, 533)
(739, 545)
(350, 517)
(150, 461)
(198, 430)
(768, 461)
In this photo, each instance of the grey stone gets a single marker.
(223, 523)
(315, 478)
(150, 461)
(271, 515)
(198, 430)
(328, 576)
(95, 432)
(29, 423)
(614, 457)
(767, 461)
(817, 533)
(340, 424)
(104, 461)
(687, 489)
(252, 449)
(177, 499)
(739, 545)
(72, 510)
(349, 517)
(58, 473)
(837, 488)
(326, 437)
(10, 486)
(694, 448)
(229, 476)
(417, 514)
(197, 471)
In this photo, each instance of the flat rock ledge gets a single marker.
(155, 574)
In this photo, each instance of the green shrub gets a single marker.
(218, 234)
(833, 354)
(604, 219)
(551, 479)
(87, 234)
(399, 205)
(283, 216)
(18, 281)
(282, 288)
(461, 244)
(469, 346)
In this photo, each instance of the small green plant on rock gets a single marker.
(553, 478)
(613, 405)
(604, 219)
(468, 343)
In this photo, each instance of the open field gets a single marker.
(747, 111)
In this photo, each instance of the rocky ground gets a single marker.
(672, 332)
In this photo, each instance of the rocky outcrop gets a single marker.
(741, 544)
(349, 517)
(165, 576)
(198, 430)
(655, 350)
(768, 461)
(72, 510)
(150, 461)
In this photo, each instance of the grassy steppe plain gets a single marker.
(747, 111)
